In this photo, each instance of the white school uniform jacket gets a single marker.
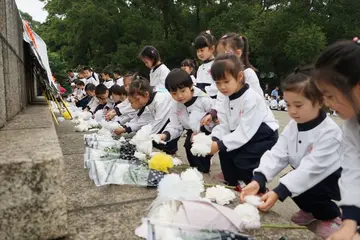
(312, 149)
(240, 117)
(124, 112)
(252, 79)
(109, 83)
(204, 76)
(273, 104)
(282, 103)
(92, 105)
(157, 77)
(74, 77)
(193, 79)
(91, 80)
(350, 177)
(120, 81)
(188, 115)
(156, 113)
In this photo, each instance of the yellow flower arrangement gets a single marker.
(161, 162)
(66, 115)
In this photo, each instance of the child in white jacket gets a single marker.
(310, 144)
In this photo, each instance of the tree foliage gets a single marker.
(110, 33)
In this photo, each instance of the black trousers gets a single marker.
(318, 199)
(201, 163)
(239, 164)
(170, 147)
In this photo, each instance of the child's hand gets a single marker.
(251, 189)
(110, 115)
(217, 122)
(206, 120)
(119, 131)
(162, 137)
(269, 199)
(214, 148)
(346, 232)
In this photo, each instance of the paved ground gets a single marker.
(113, 212)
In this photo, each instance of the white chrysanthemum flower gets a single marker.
(140, 156)
(201, 145)
(249, 215)
(99, 115)
(177, 161)
(85, 116)
(220, 194)
(82, 127)
(253, 200)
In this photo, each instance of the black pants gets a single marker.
(170, 147)
(318, 199)
(201, 163)
(239, 164)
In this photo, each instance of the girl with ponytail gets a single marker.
(238, 45)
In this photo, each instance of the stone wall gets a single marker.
(13, 94)
(32, 202)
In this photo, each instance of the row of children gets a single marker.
(87, 75)
(227, 103)
(276, 103)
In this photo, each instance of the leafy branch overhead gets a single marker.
(282, 34)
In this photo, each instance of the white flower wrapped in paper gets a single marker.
(104, 132)
(253, 200)
(220, 194)
(140, 156)
(177, 161)
(192, 218)
(143, 140)
(249, 216)
(85, 115)
(188, 186)
(82, 127)
(111, 126)
(201, 145)
(92, 123)
(99, 115)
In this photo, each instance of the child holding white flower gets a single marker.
(310, 145)
(247, 126)
(192, 104)
(154, 110)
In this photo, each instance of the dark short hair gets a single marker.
(118, 72)
(140, 87)
(87, 68)
(178, 79)
(77, 81)
(118, 90)
(300, 82)
(190, 63)
(100, 89)
(90, 87)
(106, 73)
(69, 71)
(227, 63)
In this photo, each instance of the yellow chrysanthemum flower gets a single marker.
(161, 162)
(66, 115)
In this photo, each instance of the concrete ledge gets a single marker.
(32, 204)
